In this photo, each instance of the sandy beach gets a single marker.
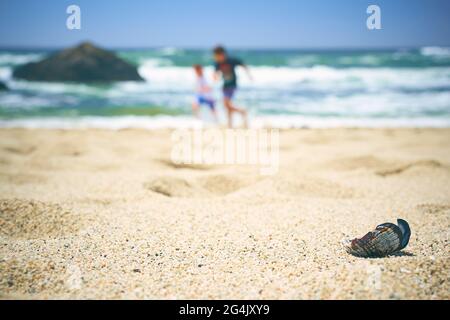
(103, 214)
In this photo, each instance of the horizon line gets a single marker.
(305, 48)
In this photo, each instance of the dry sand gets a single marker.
(105, 214)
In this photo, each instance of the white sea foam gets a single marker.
(14, 100)
(174, 79)
(5, 73)
(166, 77)
(16, 59)
(326, 78)
(11, 100)
(113, 123)
(176, 122)
(318, 77)
(289, 121)
(56, 87)
(436, 51)
(389, 104)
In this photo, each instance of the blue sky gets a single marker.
(235, 23)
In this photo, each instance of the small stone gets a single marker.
(403, 270)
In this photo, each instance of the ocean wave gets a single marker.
(13, 100)
(308, 60)
(388, 104)
(5, 73)
(58, 88)
(319, 77)
(337, 88)
(436, 51)
(154, 63)
(401, 58)
(13, 59)
(326, 78)
(182, 79)
(368, 60)
(317, 90)
(170, 51)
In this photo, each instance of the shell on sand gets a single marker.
(386, 239)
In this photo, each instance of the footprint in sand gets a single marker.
(382, 167)
(210, 185)
(430, 208)
(402, 168)
(29, 219)
(313, 187)
(225, 184)
(362, 162)
(20, 150)
(170, 164)
(173, 187)
(21, 178)
(294, 185)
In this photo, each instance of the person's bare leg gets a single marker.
(196, 110)
(245, 118)
(230, 118)
(231, 108)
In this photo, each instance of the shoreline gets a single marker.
(188, 122)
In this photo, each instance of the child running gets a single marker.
(203, 94)
(226, 66)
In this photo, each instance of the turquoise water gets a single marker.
(290, 88)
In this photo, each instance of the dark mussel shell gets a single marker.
(386, 239)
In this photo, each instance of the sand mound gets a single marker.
(28, 219)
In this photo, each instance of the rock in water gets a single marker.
(84, 63)
(386, 239)
(3, 86)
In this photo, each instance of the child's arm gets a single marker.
(205, 88)
(216, 76)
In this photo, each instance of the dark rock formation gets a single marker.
(3, 86)
(84, 63)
